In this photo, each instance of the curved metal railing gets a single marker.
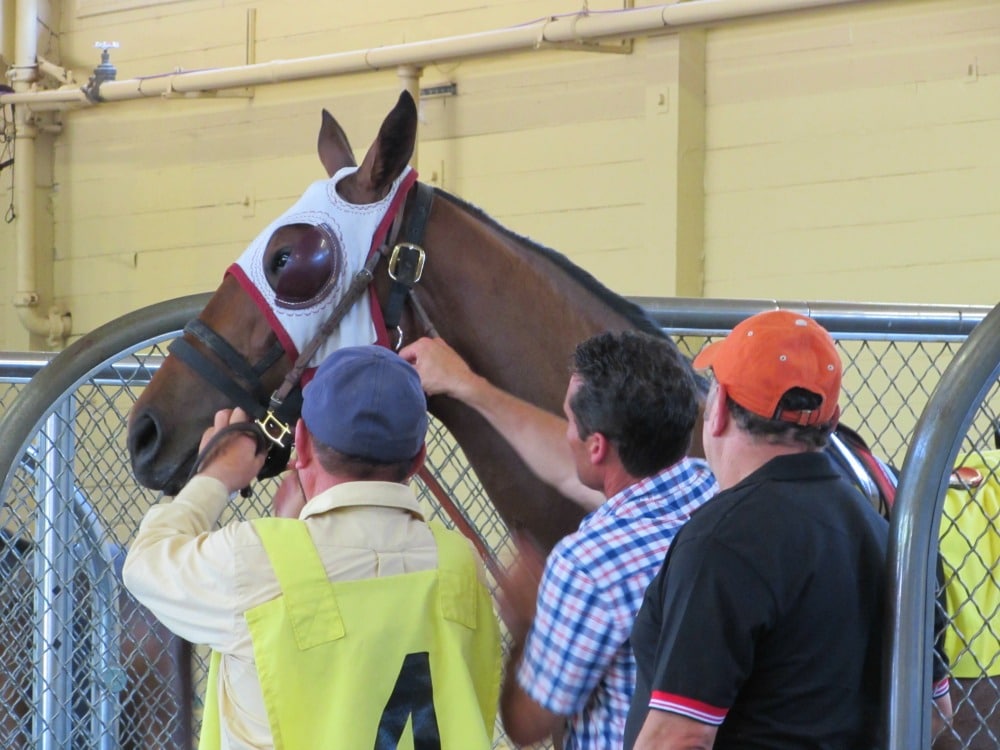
(109, 356)
(913, 541)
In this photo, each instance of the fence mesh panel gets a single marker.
(80, 662)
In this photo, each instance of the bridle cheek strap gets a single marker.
(235, 377)
(239, 381)
(406, 260)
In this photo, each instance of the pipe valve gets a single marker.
(105, 71)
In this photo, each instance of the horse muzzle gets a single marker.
(151, 465)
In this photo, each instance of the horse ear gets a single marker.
(391, 151)
(334, 149)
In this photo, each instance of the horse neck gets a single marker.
(515, 315)
(510, 307)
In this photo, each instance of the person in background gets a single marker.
(630, 407)
(764, 627)
(346, 620)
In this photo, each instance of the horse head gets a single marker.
(273, 301)
(513, 309)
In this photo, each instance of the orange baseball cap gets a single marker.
(768, 354)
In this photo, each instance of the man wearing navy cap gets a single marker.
(347, 621)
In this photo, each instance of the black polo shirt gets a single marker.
(766, 618)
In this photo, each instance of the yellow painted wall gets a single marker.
(843, 153)
(854, 155)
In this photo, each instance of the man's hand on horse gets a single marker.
(235, 460)
(442, 370)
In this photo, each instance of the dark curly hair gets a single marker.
(639, 392)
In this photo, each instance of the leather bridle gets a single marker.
(274, 416)
(240, 380)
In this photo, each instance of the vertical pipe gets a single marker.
(54, 573)
(107, 675)
(26, 294)
(5, 16)
(25, 32)
(23, 74)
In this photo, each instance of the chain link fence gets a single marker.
(84, 667)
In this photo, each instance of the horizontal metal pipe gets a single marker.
(20, 367)
(843, 319)
(574, 27)
(693, 315)
(47, 99)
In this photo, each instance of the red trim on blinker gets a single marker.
(237, 272)
(398, 202)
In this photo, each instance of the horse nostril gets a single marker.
(144, 438)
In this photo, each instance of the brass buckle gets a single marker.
(394, 261)
(275, 429)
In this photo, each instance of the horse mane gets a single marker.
(631, 311)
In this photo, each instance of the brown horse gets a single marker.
(513, 309)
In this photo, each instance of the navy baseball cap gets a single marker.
(366, 401)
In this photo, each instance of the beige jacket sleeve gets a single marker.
(183, 571)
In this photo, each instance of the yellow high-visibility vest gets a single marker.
(970, 553)
(405, 661)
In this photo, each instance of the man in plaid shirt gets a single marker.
(629, 410)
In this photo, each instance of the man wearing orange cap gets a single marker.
(763, 629)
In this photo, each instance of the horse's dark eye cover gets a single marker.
(302, 262)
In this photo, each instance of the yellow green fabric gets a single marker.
(970, 552)
(407, 661)
(209, 738)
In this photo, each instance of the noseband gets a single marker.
(233, 375)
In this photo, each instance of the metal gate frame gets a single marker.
(35, 415)
(106, 353)
(86, 358)
(914, 530)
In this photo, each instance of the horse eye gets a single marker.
(280, 259)
(301, 262)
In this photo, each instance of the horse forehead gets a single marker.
(353, 228)
(352, 225)
(319, 204)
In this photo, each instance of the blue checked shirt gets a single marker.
(577, 659)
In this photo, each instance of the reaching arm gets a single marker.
(537, 436)
(941, 714)
(667, 731)
(177, 566)
(524, 720)
(236, 461)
